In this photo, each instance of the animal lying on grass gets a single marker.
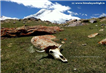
(46, 44)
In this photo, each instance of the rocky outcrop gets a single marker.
(78, 23)
(93, 21)
(29, 30)
(92, 35)
(103, 42)
(75, 22)
(84, 20)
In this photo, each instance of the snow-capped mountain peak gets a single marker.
(53, 16)
(4, 18)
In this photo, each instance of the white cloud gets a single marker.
(86, 15)
(32, 3)
(72, 13)
(103, 14)
(93, 17)
(59, 7)
(41, 4)
(49, 11)
(83, 14)
(98, 15)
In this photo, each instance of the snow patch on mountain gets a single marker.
(53, 16)
(4, 18)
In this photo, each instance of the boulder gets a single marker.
(84, 20)
(92, 21)
(73, 24)
(103, 42)
(101, 30)
(103, 24)
(29, 30)
(70, 21)
(92, 35)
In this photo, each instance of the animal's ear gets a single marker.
(59, 46)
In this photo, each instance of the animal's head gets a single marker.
(55, 52)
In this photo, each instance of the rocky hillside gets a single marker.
(81, 22)
(83, 46)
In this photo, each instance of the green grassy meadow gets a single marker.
(17, 58)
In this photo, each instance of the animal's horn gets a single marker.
(40, 51)
(59, 46)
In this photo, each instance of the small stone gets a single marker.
(101, 30)
(92, 35)
(75, 68)
(62, 42)
(96, 25)
(84, 44)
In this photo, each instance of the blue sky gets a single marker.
(79, 9)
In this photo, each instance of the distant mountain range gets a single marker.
(4, 18)
(53, 16)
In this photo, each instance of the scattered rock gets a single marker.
(96, 25)
(84, 44)
(103, 20)
(73, 24)
(103, 24)
(14, 22)
(31, 18)
(101, 30)
(75, 69)
(70, 21)
(92, 21)
(28, 30)
(23, 22)
(84, 20)
(20, 20)
(92, 35)
(62, 42)
(103, 42)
